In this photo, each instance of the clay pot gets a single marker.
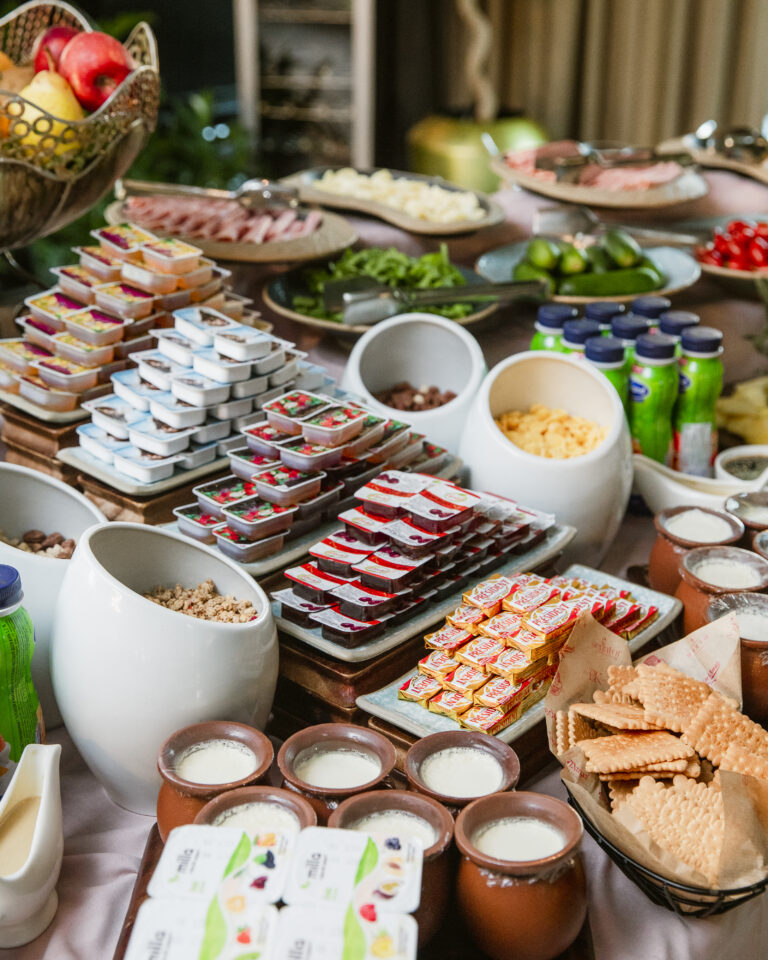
(334, 736)
(754, 653)
(695, 593)
(667, 549)
(179, 801)
(739, 507)
(436, 878)
(265, 794)
(526, 910)
(418, 753)
(760, 543)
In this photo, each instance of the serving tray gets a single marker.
(414, 718)
(35, 410)
(305, 182)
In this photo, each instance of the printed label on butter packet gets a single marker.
(343, 867)
(184, 930)
(202, 862)
(362, 934)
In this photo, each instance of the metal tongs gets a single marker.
(742, 144)
(568, 169)
(364, 301)
(568, 222)
(253, 194)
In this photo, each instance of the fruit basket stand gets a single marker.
(52, 171)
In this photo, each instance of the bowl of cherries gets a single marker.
(737, 251)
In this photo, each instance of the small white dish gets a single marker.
(746, 451)
(662, 487)
(423, 349)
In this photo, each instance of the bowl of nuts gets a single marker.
(41, 520)
(153, 632)
(421, 368)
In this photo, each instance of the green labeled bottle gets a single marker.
(651, 307)
(549, 326)
(652, 396)
(21, 719)
(627, 328)
(700, 384)
(673, 322)
(576, 333)
(603, 311)
(607, 354)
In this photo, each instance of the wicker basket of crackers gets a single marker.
(670, 777)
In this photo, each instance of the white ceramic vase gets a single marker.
(128, 672)
(589, 492)
(30, 500)
(425, 350)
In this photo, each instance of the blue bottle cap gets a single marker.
(604, 350)
(655, 346)
(629, 326)
(651, 307)
(10, 586)
(603, 310)
(579, 331)
(554, 315)
(701, 340)
(674, 322)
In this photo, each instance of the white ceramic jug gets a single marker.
(28, 899)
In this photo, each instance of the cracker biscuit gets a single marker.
(620, 715)
(560, 733)
(668, 696)
(626, 751)
(580, 728)
(686, 818)
(618, 790)
(717, 724)
(739, 760)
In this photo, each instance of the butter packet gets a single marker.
(349, 869)
(185, 929)
(365, 934)
(224, 863)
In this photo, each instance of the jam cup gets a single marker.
(436, 877)
(521, 910)
(754, 652)
(179, 800)
(334, 736)
(663, 574)
(695, 592)
(459, 739)
(285, 799)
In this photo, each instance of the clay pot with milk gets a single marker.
(751, 610)
(436, 877)
(530, 908)
(673, 540)
(708, 572)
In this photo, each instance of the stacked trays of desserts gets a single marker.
(294, 469)
(102, 310)
(398, 557)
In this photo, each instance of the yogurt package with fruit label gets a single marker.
(122, 239)
(202, 862)
(113, 414)
(322, 934)
(201, 324)
(19, 354)
(95, 325)
(129, 386)
(184, 929)
(53, 305)
(347, 867)
(169, 255)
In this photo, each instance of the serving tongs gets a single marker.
(567, 222)
(363, 301)
(253, 194)
(568, 169)
(741, 144)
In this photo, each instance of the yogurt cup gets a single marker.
(228, 443)
(287, 411)
(243, 462)
(201, 324)
(65, 374)
(288, 371)
(129, 386)
(157, 437)
(202, 274)
(309, 376)
(220, 368)
(95, 326)
(157, 368)
(213, 497)
(176, 346)
(167, 408)
(242, 343)
(213, 430)
(98, 263)
(99, 443)
(243, 550)
(124, 300)
(169, 255)
(139, 275)
(37, 331)
(299, 454)
(233, 408)
(79, 351)
(122, 241)
(53, 306)
(195, 523)
(113, 414)
(250, 387)
(144, 466)
(272, 360)
(255, 518)
(75, 281)
(198, 390)
(20, 355)
(197, 455)
(284, 486)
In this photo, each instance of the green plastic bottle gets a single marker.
(575, 335)
(21, 720)
(651, 307)
(673, 322)
(607, 354)
(700, 384)
(603, 311)
(549, 326)
(627, 327)
(652, 396)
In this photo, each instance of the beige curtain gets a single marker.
(631, 70)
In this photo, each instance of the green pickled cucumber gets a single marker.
(542, 253)
(622, 248)
(614, 283)
(572, 260)
(649, 263)
(598, 258)
(526, 271)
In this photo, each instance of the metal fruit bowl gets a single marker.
(53, 171)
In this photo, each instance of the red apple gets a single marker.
(94, 64)
(52, 41)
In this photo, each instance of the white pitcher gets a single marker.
(28, 899)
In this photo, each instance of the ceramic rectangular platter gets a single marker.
(556, 539)
(417, 720)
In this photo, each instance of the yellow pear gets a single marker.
(51, 92)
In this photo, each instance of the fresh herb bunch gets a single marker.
(392, 267)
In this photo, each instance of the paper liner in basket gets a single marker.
(711, 655)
